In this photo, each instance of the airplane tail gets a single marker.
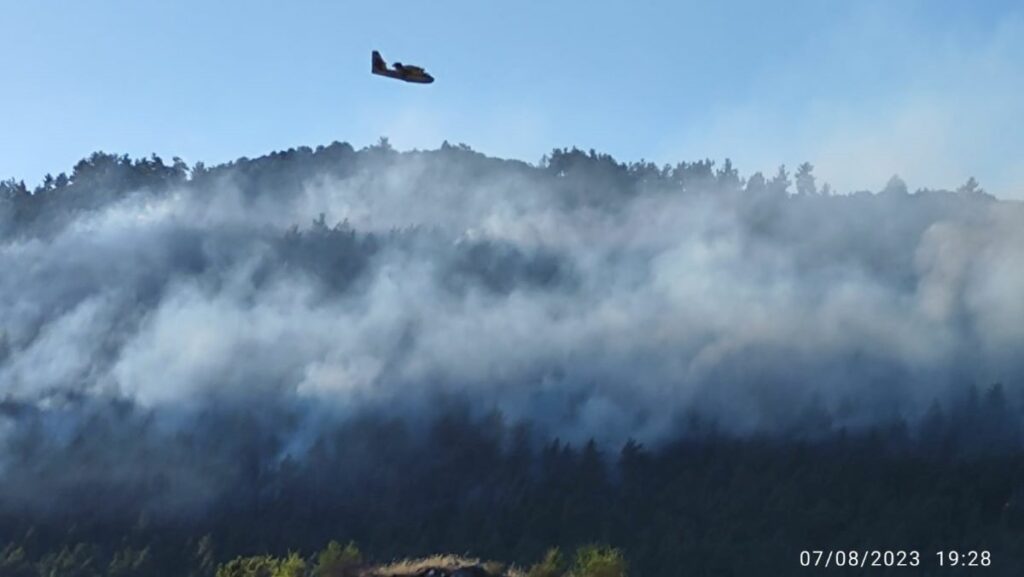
(378, 62)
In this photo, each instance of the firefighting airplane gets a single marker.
(405, 72)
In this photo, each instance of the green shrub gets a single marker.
(553, 565)
(338, 561)
(293, 566)
(264, 566)
(596, 561)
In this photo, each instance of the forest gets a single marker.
(440, 352)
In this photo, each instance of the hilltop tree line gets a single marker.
(579, 177)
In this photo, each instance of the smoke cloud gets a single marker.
(589, 299)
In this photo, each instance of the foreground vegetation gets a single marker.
(334, 560)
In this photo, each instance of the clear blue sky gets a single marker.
(931, 90)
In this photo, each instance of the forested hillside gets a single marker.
(441, 352)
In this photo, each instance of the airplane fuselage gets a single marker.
(416, 77)
(407, 73)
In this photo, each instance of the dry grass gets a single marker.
(409, 567)
(413, 566)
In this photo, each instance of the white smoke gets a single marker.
(647, 307)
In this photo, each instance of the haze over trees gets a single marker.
(439, 351)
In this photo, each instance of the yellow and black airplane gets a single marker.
(400, 71)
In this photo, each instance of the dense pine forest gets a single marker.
(437, 351)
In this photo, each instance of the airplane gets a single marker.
(406, 72)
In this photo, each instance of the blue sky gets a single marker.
(862, 89)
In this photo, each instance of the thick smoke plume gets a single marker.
(157, 322)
